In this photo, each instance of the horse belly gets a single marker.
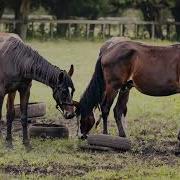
(156, 85)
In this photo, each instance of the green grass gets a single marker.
(153, 125)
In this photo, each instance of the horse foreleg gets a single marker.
(120, 111)
(10, 117)
(24, 99)
(1, 104)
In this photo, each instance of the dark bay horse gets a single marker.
(109, 95)
(19, 65)
(152, 70)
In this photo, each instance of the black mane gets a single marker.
(94, 92)
(30, 64)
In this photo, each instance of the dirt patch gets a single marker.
(54, 169)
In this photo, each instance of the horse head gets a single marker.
(63, 94)
(86, 123)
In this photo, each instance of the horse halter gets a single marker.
(61, 103)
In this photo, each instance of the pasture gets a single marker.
(153, 124)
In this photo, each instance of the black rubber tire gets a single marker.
(115, 142)
(95, 148)
(179, 136)
(48, 131)
(35, 109)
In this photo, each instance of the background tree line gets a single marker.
(152, 10)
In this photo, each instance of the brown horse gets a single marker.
(109, 95)
(153, 70)
(120, 109)
(19, 65)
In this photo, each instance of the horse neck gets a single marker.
(33, 66)
(44, 72)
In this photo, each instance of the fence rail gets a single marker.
(106, 27)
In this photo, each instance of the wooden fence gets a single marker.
(102, 27)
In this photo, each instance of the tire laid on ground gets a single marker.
(48, 131)
(35, 109)
(115, 142)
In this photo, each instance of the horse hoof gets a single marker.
(122, 135)
(83, 137)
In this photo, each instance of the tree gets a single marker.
(152, 11)
(2, 7)
(176, 14)
(21, 11)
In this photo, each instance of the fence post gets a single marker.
(109, 30)
(69, 31)
(152, 30)
(32, 29)
(120, 29)
(136, 30)
(103, 31)
(123, 29)
(51, 30)
(168, 31)
(87, 31)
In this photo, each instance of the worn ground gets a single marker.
(153, 124)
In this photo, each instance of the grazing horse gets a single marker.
(19, 65)
(152, 70)
(109, 95)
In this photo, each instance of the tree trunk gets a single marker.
(176, 14)
(21, 14)
(158, 26)
(2, 6)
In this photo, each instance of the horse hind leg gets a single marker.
(10, 117)
(105, 108)
(120, 111)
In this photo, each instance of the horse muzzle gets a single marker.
(82, 136)
(69, 115)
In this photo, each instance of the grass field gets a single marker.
(153, 125)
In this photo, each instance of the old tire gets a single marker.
(115, 142)
(179, 136)
(35, 109)
(48, 131)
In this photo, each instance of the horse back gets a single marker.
(155, 70)
(4, 37)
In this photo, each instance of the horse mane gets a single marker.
(93, 93)
(29, 63)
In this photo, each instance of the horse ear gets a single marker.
(71, 70)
